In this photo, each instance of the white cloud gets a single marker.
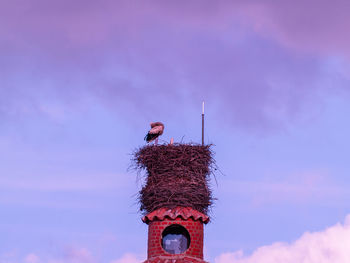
(75, 255)
(70, 255)
(31, 258)
(329, 246)
(128, 258)
(79, 255)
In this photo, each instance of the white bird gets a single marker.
(156, 130)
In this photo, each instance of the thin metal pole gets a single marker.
(202, 129)
(203, 123)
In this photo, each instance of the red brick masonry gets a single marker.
(174, 259)
(187, 217)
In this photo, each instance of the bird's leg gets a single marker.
(156, 141)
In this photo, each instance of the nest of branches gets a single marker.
(176, 175)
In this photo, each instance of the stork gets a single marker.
(156, 130)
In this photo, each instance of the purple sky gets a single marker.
(81, 80)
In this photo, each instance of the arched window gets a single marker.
(175, 239)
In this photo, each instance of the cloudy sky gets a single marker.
(81, 80)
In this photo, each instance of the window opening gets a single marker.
(175, 239)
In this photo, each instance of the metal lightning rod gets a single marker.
(203, 123)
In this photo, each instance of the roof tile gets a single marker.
(173, 213)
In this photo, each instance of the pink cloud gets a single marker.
(328, 246)
(311, 187)
(319, 25)
(128, 55)
(71, 255)
(129, 258)
(76, 255)
(312, 26)
(31, 258)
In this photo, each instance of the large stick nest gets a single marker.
(176, 175)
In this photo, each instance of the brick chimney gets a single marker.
(175, 235)
(175, 198)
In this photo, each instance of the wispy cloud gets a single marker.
(66, 182)
(159, 52)
(129, 258)
(67, 192)
(300, 188)
(31, 258)
(331, 245)
(71, 255)
(311, 26)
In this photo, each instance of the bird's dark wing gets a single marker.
(150, 137)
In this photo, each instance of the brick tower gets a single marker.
(176, 198)
(175, 235)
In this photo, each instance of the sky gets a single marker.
(80, 81)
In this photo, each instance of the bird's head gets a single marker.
(154, 124)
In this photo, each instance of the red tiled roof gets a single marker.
(183, 212)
